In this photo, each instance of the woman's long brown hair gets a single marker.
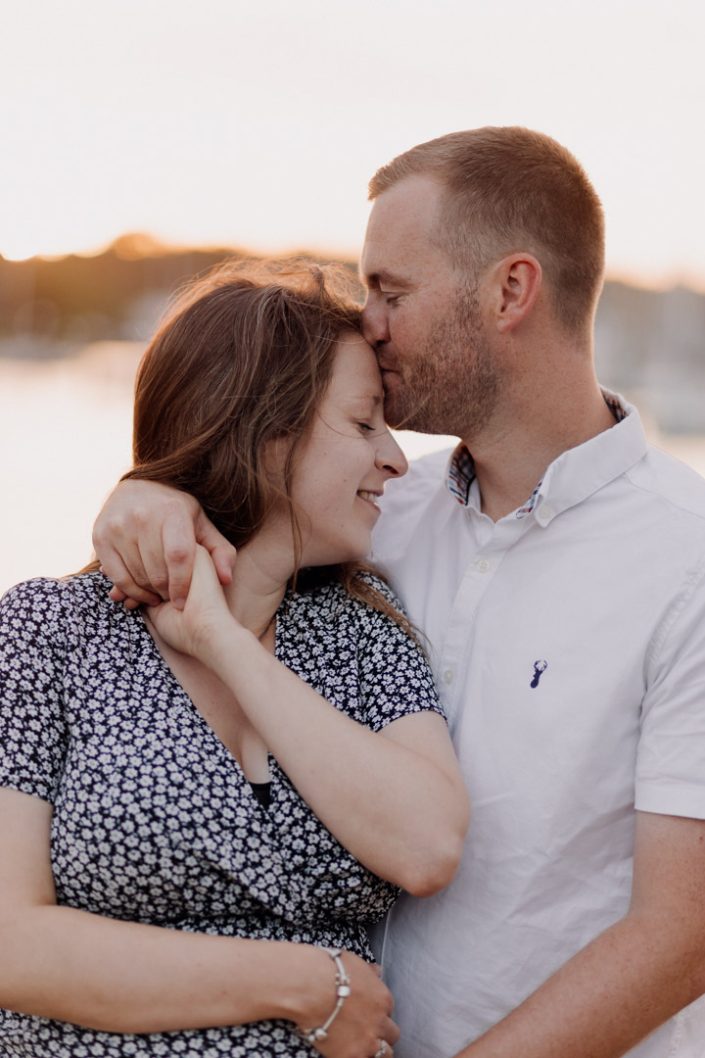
(242, 359)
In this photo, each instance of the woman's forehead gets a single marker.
(355, 369)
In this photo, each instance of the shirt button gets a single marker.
(482, 565)
(448, 676)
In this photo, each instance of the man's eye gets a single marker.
(389, 298)
(366, 427)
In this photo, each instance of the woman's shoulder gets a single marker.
(33, 627)
(40, 595)
(337, 591)
(58, 602)
(88, 589)
(363, 600)
(77, 585)
(374, 580)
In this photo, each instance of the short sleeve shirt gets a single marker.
(568, 639)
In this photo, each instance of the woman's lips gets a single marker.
(370, 498)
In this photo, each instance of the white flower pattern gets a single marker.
(153, 819)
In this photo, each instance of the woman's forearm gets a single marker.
(115, 976)
(397, 804)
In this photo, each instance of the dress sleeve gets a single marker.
(395, 677)
(32, 658)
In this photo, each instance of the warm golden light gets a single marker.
(230, 123)
(257, 127)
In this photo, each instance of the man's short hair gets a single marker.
(512, 189)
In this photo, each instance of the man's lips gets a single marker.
(388, 373)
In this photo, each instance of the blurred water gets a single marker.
(65, 439)
(65, 430)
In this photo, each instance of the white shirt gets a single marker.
(603, 580)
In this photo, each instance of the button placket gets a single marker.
(474, 584)
(479, 574)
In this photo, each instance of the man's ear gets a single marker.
(516, 282)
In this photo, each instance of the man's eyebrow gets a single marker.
(375, 279)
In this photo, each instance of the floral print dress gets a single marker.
(153, 819)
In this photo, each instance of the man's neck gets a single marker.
(510, 463)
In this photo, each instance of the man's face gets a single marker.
(423, 317)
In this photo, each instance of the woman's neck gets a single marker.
(262, 571)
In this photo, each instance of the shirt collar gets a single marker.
(576, 473)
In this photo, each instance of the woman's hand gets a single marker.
(364, 1021)
(204, 616)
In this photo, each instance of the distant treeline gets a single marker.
(650, 344)
(113, 294)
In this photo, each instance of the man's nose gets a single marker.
(374, 323)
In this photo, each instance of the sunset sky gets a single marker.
(258, 124)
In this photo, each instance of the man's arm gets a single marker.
(145, 539)
(632, 977)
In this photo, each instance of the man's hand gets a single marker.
(194, 629)
(145, 538)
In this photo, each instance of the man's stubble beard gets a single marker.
(452, 384)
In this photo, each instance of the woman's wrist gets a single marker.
(217, 643)
(309, 995)
(314, 1034)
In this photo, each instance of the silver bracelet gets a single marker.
(342, 991)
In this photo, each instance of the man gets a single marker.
(557, 567)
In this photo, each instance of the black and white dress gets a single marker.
(153, 819)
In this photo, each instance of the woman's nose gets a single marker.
(390, 457)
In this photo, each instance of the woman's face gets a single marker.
(344, 462)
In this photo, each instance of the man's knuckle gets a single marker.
(177, 505)
(141, 518)
(106, 530)
(177, 554)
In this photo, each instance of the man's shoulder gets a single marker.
(672, 483)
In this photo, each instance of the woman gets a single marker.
(196, 802)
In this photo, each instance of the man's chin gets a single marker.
(400, 419)
(400, 416)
